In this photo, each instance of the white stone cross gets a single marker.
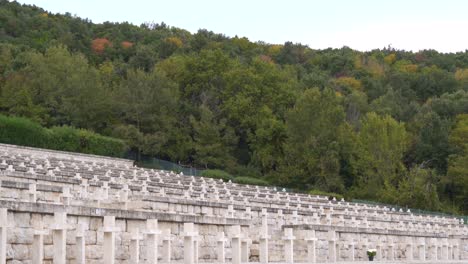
(66, 195)
(166, 243)
(3, 234)
(38, 245)
(280, 217)
(189, 238)
(245, 249)
(332, 246)
(135, 238)
(104, 191)
(409, 248)
(295, 218)
(124, 193)
(289, 245)
(311, 241)
(248, 212)
(80, 257)
(152, 235)
(264, 238)
(32, 193)
(109, 230)
(421, 249)
(221, 240)
(84, 189)
(59, 233)
(236, 244)
(230, 211)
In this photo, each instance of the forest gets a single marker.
(386, 125)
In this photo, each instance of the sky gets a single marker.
(359, 24)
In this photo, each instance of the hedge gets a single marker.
(251, 181)
(217, 174)
(24, 132)
(330, 195)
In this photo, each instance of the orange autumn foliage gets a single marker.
(100, 44)
(266, 58)
(126, 44)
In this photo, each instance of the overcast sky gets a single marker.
(360, 24)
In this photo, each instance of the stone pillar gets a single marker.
(109, 230)
(450, 252)
(189, 235)
(236, 244)
(59, 233)
(3, 233)
(456, 250)
(444, 249)
(289, 245)
(264, 237)
(166, 242)
(432, 254)
(152, 234)
(422, 250)
(66, 195)
(38, 245)
(245, 250)
(135, 246)
(80, 257)
(220, 247)
(379, 250)
(331, 246)
(352, 250)
(295, 218)
(32, 193)
(409, 248)
(311, 241)
(391, 251)
(230, 211)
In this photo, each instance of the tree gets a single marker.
(57, 88)
(312, 149)
(383, 142)
(456, 180)
(148, 103)
(213, 141)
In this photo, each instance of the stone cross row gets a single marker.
(426, 249)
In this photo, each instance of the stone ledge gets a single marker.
(67, 154)
(25, 186)
(39, 177)
(361, 230)
(44, 208)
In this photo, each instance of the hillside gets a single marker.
(386, 125)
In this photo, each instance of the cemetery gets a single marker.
(60, 207)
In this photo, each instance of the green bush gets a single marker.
(251, 181)
(65, 138)
(217, 174)
(329, 194)
(100, 145)
(24, 132)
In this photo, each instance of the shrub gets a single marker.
(330, 195)
(24, 132)
(64, 138)
(251, 181)
(91, 142)
(217, 174)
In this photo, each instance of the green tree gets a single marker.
(383, 142)
(147, 110)
(456, 180)
(312, 148)
(213, 141)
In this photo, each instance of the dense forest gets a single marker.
(386, 125)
